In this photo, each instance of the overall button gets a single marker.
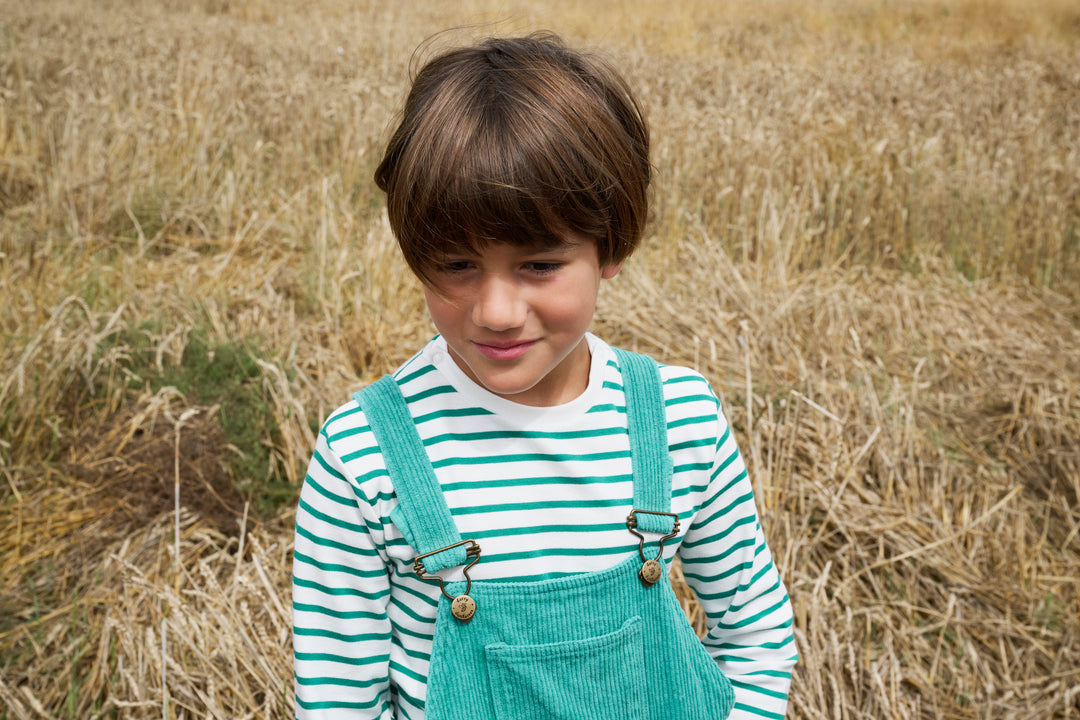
(463, 608)
(649, 573)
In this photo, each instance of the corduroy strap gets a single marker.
(649, 453)
(422, 514)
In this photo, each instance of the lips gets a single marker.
(503, 350)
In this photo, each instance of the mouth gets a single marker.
(504, 350)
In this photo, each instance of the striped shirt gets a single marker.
(545, 491)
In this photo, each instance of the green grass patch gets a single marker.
(227, 374)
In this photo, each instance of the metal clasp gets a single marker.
(473, 551)
(650, 569)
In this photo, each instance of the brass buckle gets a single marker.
(650, 570)
(463, 607)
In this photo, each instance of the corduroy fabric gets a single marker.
(595, 646)
(425, 520)
(649, 454)
(592, 646)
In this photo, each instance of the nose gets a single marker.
(499, 304)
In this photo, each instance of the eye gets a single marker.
(453, 267)
(539, 267)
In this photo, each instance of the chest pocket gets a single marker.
(563, 679)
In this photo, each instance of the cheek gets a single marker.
(572, 309)
(442, 311)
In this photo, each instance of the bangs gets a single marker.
(486, 190)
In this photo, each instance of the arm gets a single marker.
(341, 634)
(728, 565)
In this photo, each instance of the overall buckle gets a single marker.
(462, 607)
(651, 570)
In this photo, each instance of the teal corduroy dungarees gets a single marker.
(593, 646)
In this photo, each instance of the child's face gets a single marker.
(515, 318)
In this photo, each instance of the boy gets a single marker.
(516, 183)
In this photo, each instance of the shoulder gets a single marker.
(347, 443)
(348, 426)
(691, 407)
(346, 452)
(680, 384)
(345, 432)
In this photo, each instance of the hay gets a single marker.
(207, 636)
(861, 236)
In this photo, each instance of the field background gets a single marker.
(865, 232)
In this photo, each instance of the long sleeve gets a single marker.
(728, 565)
(341, 633)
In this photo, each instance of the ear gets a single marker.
(609, 271)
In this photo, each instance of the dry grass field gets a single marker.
(866, 233)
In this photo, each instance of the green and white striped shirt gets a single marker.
(545, 491)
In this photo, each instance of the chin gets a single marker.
(507, 389)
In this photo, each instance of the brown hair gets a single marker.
(516, 140)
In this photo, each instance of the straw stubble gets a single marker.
(864, 234)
